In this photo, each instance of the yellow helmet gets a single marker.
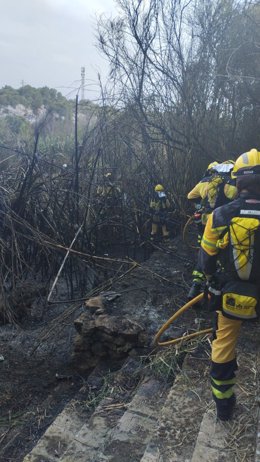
(212, 165)
(229, 161)
(159, 187)
(247, 164)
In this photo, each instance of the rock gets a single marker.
(98, 304)
(98, 349)
(108, 336)
(94, 304)
(85, 324)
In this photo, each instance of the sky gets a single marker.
(47, 42)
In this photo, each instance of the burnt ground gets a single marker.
(40, 348)
(37, 373)
(31, 394)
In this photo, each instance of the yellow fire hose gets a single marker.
(175, 316)
(185, 232)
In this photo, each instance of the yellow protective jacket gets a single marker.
(232, 235)
(159, 205)
(200, 190)
(213, 191)
(220, 191)
(206, 189)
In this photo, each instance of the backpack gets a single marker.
(216, 196)
(159, 202)
(241, 293)
(244, 242)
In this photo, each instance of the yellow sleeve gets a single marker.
(200, 190)
(210, 246)
(211, 236)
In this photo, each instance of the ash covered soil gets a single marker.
(38, 371)
(36, 380)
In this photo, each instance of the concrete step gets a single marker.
(211, 440)
(105, 439)
(188, 430)
(120, 424)
(235, 440)
(180, 417)
(58, 436)
(158, 423)
(61, 433)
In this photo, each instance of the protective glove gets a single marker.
(197, 217)
(214, 293)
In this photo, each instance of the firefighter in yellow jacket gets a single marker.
(199, 195)
(199, 192)
(231, 241)
(215, 189)
(159, 207)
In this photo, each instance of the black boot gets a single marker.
(195, 290)
(225, 408)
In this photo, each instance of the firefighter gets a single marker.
(232, 237)
(198, 195)
(199, 192)
(221, 186)
(215, 189)
(159, 207)
(108, 194)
